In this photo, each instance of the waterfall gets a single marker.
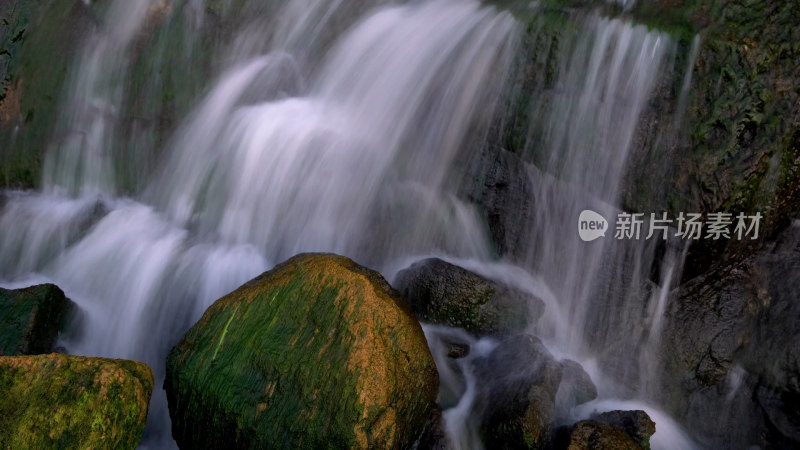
(349, 155)
(338, 127)
(582, 132)
(81, 160)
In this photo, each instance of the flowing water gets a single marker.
(343, 128)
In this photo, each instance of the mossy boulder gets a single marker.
(317, 353)
(593, 435)
(63, 401)
(636, 424)
(446, 294)
(31, 318)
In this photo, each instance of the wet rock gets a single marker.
(711, 321)
(637, 424)
(737, 142)
(434, 437)
(592, 435)
(446, 294)
(457, 350)
(61, 401)
(31, 318)
(318, 352)
(500, 182)
(519, 381)
(781, 413)
(741, 317)
(741, 425)
(576, 387)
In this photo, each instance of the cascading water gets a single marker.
(350, 151)
(82, 162)
(585, 126)
(605, 302)
(267, 166)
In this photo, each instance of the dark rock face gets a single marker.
(63, 401)
(31, 318)
(519, 381)
(500, 182)
(637, 424)
(712, 320)
(434, 437)
(508, 202)
(316, 353)
(731, 343)
(737, 146)
(445, 294)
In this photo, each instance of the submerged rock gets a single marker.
(446, 294)
(576, 387)
(317, 353)
(62, 401)
(517, 396)
(31, 318)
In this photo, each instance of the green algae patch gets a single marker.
(31, 318)
(317, 353)
(63, 401)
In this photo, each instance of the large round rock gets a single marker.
(317, 353)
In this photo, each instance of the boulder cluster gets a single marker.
(318, 352)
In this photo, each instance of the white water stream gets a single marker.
(353, 154)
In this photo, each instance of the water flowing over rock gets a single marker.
(575, 389)
(61, 401)
(318, 352)
(503, 185)
(445, 294)
(241, 134)
(519, 381)
(31, 318)
(732, 342)
(181, 147)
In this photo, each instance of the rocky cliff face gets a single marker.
(732, 343)
(736, 146)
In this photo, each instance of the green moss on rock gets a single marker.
(62, 401)
(31, 318)
(317, 353)
(592, 435)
